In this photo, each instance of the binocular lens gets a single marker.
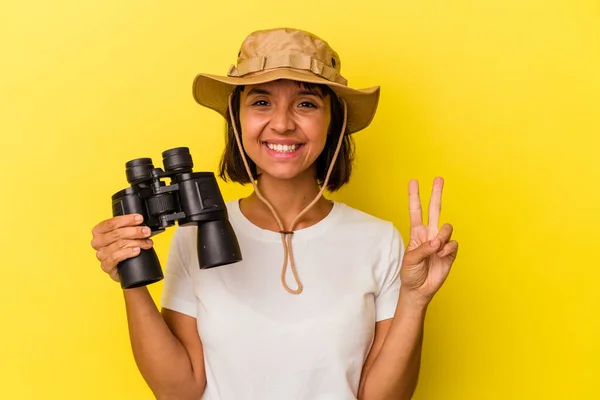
(217, 244)
(178, 160)
(138, 169)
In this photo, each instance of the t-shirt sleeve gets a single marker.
(389, 277)
(178, 289)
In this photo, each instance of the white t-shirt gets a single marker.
(261, 342)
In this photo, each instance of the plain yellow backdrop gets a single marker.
(500, 97)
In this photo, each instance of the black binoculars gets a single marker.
(191, 198)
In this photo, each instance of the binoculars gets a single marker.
(191, 198)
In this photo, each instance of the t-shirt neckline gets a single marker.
(247, 227)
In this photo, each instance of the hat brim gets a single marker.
(213, 91)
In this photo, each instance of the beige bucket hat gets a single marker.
(286, 53)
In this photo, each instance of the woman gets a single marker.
(331, 323)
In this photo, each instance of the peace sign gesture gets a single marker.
(430, 252)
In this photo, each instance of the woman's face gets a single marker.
(284, 127)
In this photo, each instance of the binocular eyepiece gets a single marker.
(191, 198)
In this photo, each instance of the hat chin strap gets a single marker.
(286, 235)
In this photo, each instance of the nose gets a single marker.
(282, 120)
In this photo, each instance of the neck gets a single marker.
(288, 198)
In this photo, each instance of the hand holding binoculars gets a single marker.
(191, 198)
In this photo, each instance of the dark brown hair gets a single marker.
(232, 165)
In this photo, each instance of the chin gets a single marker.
(283, 174)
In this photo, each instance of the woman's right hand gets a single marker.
(119, 238)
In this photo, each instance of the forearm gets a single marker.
(395, 371)
(160, 356)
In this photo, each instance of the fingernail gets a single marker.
(148, 241)
(139, 218)
(136, 249)
(146, 231)
(433, 243)
(440, 253)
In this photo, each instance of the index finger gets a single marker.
(120, 221)
(414, 204)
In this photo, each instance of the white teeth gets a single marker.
(283, 148)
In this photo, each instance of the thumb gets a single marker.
(420, 253)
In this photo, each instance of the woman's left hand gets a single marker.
(430, 252)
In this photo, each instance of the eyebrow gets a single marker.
(306, 92)
(303, 92)
(258, 91)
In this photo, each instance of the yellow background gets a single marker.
(501, 97)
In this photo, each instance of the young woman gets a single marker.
(314, 310)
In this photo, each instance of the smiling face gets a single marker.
(284, 127)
